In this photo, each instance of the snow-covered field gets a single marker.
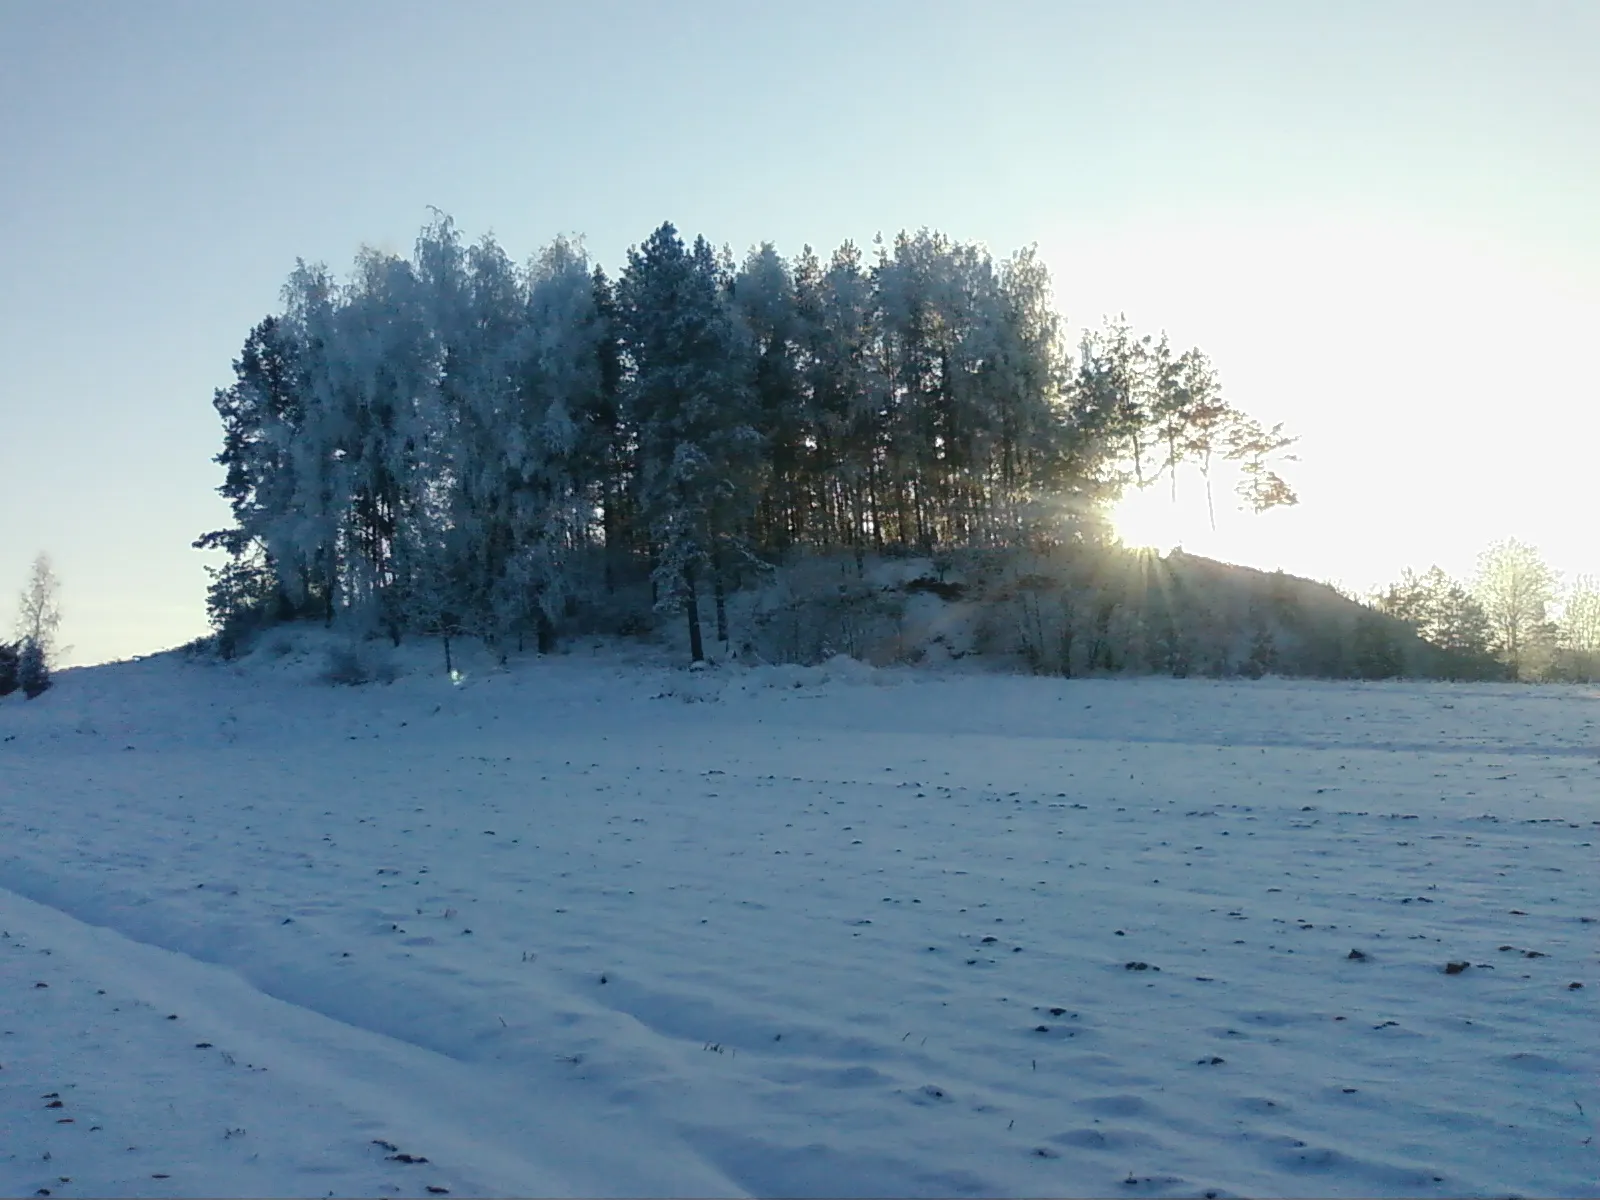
(593, 926)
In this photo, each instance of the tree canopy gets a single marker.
(452, 443)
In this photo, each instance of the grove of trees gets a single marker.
(454, 444)
(1514, 613)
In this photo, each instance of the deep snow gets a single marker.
(597, 926)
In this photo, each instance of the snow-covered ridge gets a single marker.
(597, 924)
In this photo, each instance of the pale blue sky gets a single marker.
(1379, 218)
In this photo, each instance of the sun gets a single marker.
(1147, 519)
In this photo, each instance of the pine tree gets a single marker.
(1255, 448)
(1445, 615)
(766, 306)
(10, 653)
(1377, 653)
(846, 390)
(302, 528)
(689, 402)
(33, 669)
(261, 413)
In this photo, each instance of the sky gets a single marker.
(1376, 218)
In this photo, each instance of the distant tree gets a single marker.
(1580, 616)
(1407, 600)
(1377, 651)
(1577, 654)
(39, 608)
(1443, 612)
(33, 669)
(1515, 588)
(1457, 622)
(10, 652)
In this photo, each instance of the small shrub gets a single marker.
(346, 667)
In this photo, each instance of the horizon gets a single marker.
(1377, 223)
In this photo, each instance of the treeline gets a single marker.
(1513, 612)
(454, 444)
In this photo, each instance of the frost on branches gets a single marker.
(454, 444)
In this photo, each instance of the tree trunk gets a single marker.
(721, 596)
(697, 650)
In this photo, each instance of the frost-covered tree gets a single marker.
(1025, 378)
(1116, 394)
(1580, 616)
(261, 414)
(766, 306)
(1516, 588)
(556, 453)
(454, 444)
(302, 531)
(39, 609)
(845, 387)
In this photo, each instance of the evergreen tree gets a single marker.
(237, 599)
(1204, 419)
(846, 392)
(1445, 615)
(33, 669)
(765, 303)
(10, 653)
(1255, 448)
(690, 405)
(302, 528)
(1377, 653)
(261, 414)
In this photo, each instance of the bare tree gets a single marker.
(1515, 588)
(1580, 616)
(39, 607)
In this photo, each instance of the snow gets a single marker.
(591, 925)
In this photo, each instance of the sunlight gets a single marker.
(1149, 520)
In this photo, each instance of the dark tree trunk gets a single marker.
(697, 650)
(721, 596)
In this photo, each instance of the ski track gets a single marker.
(560, 932)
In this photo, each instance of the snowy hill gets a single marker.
(594, 925)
